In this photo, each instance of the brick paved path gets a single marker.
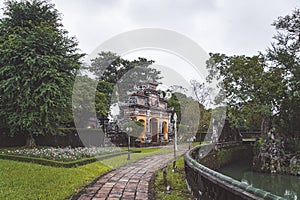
(130, 182)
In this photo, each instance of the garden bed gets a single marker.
(66, 154)
(62, 157)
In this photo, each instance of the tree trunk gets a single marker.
(264, 126)
(30, 142)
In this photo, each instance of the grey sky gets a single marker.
(226, 26)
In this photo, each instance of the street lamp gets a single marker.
(175, 135)
(191, 140)
(128, 130)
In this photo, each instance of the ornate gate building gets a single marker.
(148, 106)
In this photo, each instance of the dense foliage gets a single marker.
(38, 63)
(251, 90)
(284, 55)
(87, 99)
(193, 118)
(117, 76)
(262, 91)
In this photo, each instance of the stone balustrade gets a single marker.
(208, 184)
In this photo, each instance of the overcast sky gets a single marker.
(226, 26)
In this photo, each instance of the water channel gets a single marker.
(282, 185)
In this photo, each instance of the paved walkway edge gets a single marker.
(133, 181)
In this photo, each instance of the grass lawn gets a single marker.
(176, 181)
(118, 161)
(21, 180)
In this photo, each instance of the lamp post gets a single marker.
(128, 130)
(191, 140)
(175, 135)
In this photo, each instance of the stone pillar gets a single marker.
(169, 124)
(160, 126)
(148, 123)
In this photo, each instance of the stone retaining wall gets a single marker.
(208, 184)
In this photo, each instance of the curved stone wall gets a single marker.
(208, 184)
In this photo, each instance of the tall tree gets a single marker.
(284, 54)
(201, 92)
(247, 83)
(109, 67)
(140, 72)
(86, 101)
(38, 63)
(118, 76)
(191, 114)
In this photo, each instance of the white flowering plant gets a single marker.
(63, 154)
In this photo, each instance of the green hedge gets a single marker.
(54, 163)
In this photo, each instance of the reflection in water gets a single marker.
(282, 185)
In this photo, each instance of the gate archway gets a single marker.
(154, 129)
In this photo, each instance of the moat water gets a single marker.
(282, 185)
